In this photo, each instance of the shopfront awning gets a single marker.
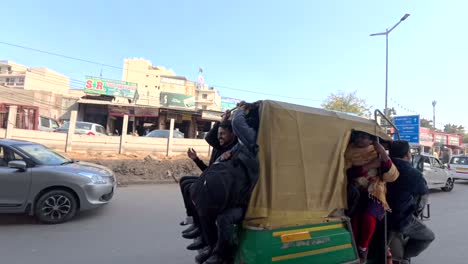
(134, 110)
(96, 102)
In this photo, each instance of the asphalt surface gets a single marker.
(140, 226)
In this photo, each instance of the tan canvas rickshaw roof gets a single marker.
(301, 152)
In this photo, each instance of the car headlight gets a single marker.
(96, 179)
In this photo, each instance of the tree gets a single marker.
(426, 123)
(347, 102)
(454, 129)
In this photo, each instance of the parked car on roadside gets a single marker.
(202, 135)
(458, 167)
(84, 128)
(41, 182)
(47, 124)
(165, 134)
(435, 173)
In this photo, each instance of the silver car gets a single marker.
(165, 134)
(84, 128)
(39, 181)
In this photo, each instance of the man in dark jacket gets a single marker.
(222, 139)
(402, 196)
(222, 192)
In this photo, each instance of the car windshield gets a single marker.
(159, 133)
(459, 160)
(79, 125)
(165, 134)
(416, 159)
(43, 155)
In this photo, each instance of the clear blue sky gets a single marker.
(305, 49)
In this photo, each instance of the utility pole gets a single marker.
(386, 33)
(433, 114)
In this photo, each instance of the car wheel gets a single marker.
(56, 206)
(448, 185)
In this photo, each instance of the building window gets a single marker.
(20, 80)
(204, 96)
(203, 107)
(147, 75)
(10, 81)
(146, 86)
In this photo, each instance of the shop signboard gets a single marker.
(96, 85)
(440, 138)
(426, 137)
(228, 103)
(177, 100)
(211, 115)
(186, 117)
(115, 110)
(454, 140)
(146, 112)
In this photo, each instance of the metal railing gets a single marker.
(389, 123)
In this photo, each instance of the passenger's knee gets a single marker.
(223, 220)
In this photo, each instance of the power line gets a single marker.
(28, 99)
(146, 73)
(268, 94)
(57, 79)
(58, 55)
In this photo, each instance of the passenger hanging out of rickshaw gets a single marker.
(221, 138)
(222, 193)
(368, 169)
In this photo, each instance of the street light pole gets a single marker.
(386, 33)
(433, 114)
(386, 71)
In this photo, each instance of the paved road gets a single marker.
(449, 218)
(141, 226)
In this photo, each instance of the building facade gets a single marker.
(14, 75)
(156, 80)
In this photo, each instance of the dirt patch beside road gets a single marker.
(142, 168)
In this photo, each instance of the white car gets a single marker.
(84, 128)
(435, 173)
(47, 124)
(458, 167)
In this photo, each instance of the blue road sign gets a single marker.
(408, 126)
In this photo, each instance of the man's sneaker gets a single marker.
(197, 244)
(189, 229)
(204, 254)
(214, 259)
(192, 234)
(187, 221)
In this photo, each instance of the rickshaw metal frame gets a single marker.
(377, 113)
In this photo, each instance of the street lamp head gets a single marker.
(378, 34)
(404, 17)
(434, 103)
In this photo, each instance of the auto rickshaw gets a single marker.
(296, 211)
